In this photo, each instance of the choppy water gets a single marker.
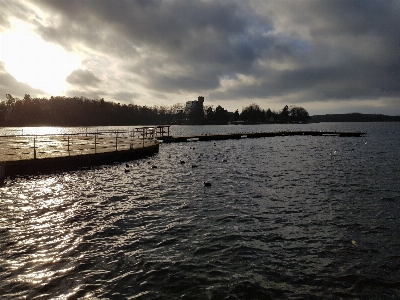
(285, 218)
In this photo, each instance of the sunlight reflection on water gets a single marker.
(36, 229)
(41, 130)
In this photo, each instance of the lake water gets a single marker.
(288, 217)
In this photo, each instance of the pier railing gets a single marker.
(32, 146)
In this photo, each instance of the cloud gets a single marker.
(85, 78)
(9, 85)
(14, 9)
(125, 96)
(262, 51)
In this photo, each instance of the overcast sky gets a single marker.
(328, 56)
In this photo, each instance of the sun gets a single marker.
(31, 60)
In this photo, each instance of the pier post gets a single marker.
(116, 141)
(69, 153)
(95, 143)
(34, 147)
(131, 141)
(2, 173)
(143, 136)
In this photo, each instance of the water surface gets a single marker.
(287, 217)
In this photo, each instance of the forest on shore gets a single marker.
(355, 117)
(81, 111)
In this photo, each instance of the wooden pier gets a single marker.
(38, 154)
(237, 136)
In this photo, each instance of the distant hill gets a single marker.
(354, 117)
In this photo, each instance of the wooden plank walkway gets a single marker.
(14, 148)
(236, 136)
(32, 154)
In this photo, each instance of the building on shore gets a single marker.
(194, 106)
(194, 111)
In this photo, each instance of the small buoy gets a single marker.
(207, 183)
(354, 243)
(182, 162)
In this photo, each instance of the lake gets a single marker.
(291, 217)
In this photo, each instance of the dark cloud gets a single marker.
(201, 32)
(83, 78)
(320, 50)
(9, 85)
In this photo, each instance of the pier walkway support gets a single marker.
(237, 136)
(38, 154)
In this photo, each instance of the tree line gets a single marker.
(355, 117)
(81, 111)
(253, 114)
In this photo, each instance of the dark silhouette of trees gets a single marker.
(176, 111)
(236, 115)
(355, 117)
(209, 113)
(81, 111)
(298, 114)
(219, 116)
(253, 114)
(284, 115)
(270, 116)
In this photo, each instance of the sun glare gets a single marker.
(33, 61)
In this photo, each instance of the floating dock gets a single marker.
(40, 154)
(237, 136)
